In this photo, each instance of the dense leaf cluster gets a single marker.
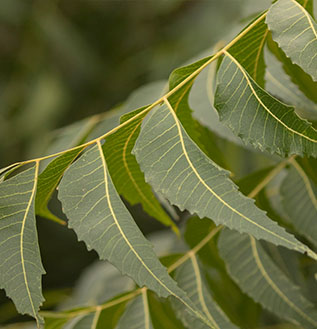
(165, 154)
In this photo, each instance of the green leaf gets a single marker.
(20, 261)
(296, 33)
(248, 50)
(300, 201)
(279, 84)
(100, 219)
(189, 277)
(178, 169)
(298, 76)
(258, 118)
(49, 179)
(261, 279)
(137, 314)
(125, 171)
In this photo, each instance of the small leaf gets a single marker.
(49, 179)
(190, 278)
(20, 261)
(137, 314)
(296, 33)
(100, 219)
(260, 278)
(300, 201)
(178, 169)
(258, 118)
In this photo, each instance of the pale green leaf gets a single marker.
(295, 31)
(300, 201)
(190, 278)
(100, 219)
(20, 261)
(258, 118)
(137, 314)
(260, 278)
(279, 84)
(178, 169)
(125, 171)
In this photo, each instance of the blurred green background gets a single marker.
(65, 60)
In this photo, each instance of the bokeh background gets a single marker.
(65, 60)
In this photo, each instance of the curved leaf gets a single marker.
(100, 219)
(258, 118)
(179, 170)
(296, 33)
(20, 261)
(260, 278)
(190, 278)
(300, 201)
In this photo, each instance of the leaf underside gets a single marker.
(178, 169)
(260, 278)
(21, 269)
(257, 117)
(295, 31)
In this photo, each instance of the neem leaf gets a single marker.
(177, 168)
(295, 31)
(20, 261)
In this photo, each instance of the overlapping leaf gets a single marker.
(99, 218)
(300, 201)
(179, 170)
(20, 261)
(261, 279)
(125, 171)
(296, 33)
(191, 280)
(258, 118)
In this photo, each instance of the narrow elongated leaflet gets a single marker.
(260, 278)
(295, 31)
(257, 117)
(100, 219)
(190, 278)
(20, 261)
(300, 201)
(178, 169)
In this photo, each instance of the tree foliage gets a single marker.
(161, 155)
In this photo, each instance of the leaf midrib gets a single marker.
(22, 237)
(214, 193)
(263, 105)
